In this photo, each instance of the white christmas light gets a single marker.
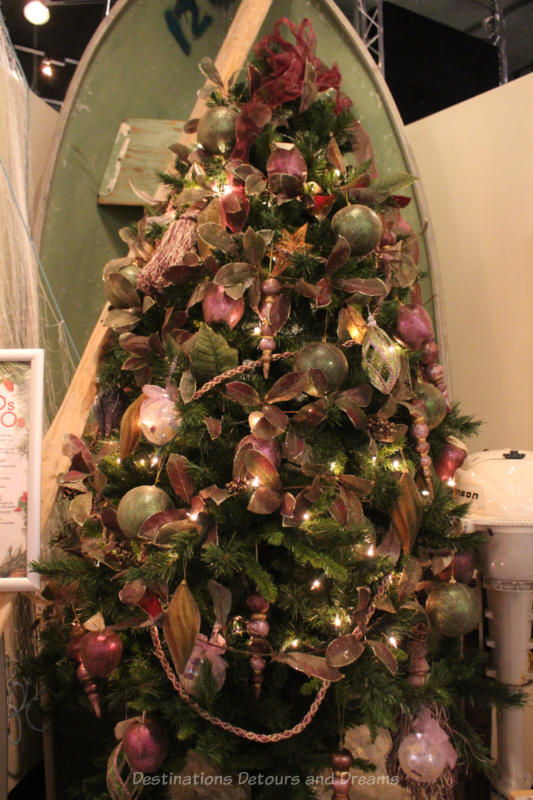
(36, 12)
(47, 69)
(306, 516)
(193, 515)
(337, 621)
(393, 641)
(396, 464)
(451, 482)
(316, 584)
(255, 482)
(295, 643)
(370, 551)
(257, 330)
(425, 492)
(333, 466)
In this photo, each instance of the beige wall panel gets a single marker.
(475, 161)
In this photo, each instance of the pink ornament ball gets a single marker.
(430, 353)
(217, 306)
(414, 326)
(421, 760)
(450, 459)
(145, 745)
(100, 652)
(159, 420)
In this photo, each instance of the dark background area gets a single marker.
(65, 35)
(430, 66)
(434, 58)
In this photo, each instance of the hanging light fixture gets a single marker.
(36, 12)
(46, 68)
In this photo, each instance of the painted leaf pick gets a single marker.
(211, 354)
(243, 393)
(407, 514)
(385, 655)
(216, 237)
(221, 597)
(264, 501)
(208, 69)
(130, 431)
(313, 666)
(181, 626)
(410, 578)
(254, 246)
(214, 427)
(80, 507)
(287, 387)
(179, 477)
(338, 256)
(187, 386)
(343, 651)
(263, 469)
(279, 311)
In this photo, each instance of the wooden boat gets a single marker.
(142, 63)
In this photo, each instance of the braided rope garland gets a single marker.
(261, 738)
(231, 373)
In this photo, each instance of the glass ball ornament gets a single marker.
(216, 130)
(190, 677)
(421, 759)
(206, 655)
(137, 505)
(453, 609)
(360, 225)
(324, 356)
(431, 403)
(159, 419)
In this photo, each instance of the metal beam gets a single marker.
(368, 22)
(35, 52)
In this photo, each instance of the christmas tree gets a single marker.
(260, 546)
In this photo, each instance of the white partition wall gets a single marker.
(476, 164)
(475, 161)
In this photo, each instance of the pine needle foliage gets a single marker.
(309, 513)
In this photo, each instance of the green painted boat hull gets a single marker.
(135, 67)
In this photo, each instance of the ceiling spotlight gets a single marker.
(36, 12)
(46, 68)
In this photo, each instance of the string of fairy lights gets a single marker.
(340, 619)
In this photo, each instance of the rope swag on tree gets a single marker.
(258, 482)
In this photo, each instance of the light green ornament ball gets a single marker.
(453, 609)
(137, 505)
(432, 403)
(360, 225)
(324, 356)
(216, 130)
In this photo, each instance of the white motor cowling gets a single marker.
(499, 486)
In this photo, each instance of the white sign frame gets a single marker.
(35, 358)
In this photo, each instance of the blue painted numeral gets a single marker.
(198, 26)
